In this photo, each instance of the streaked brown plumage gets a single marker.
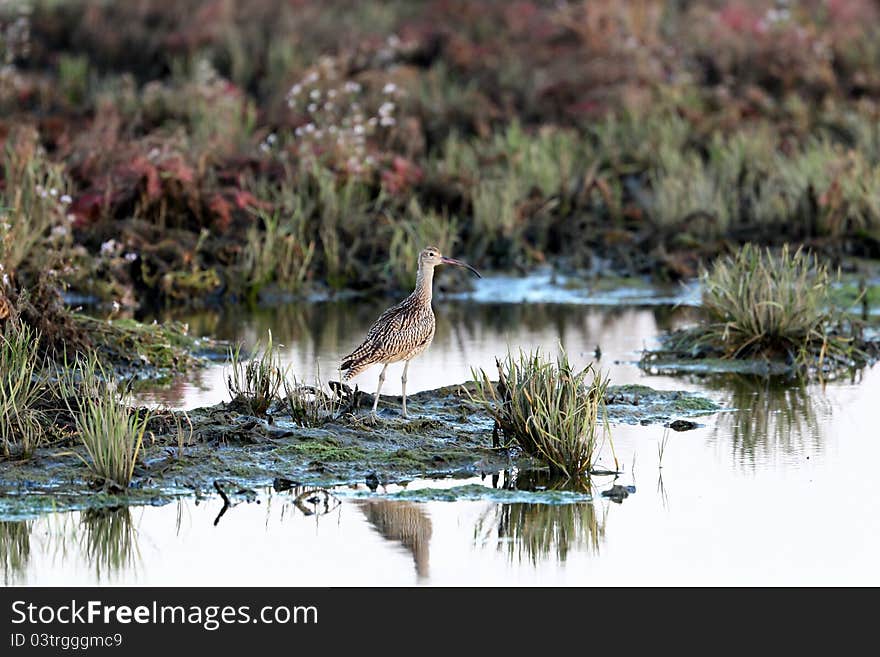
(403, 331)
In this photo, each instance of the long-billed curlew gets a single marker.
(403, 331)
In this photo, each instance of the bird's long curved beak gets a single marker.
(453, 261)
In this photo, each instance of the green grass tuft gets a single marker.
(22, 389)
(257, 381)
(553, 412)
(112, 433)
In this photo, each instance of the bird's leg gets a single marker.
(379, 388)
(403, 386)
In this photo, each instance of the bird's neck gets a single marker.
(424, 283)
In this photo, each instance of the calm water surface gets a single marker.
(779, 489)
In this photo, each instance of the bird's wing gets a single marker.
(377, 341)
(389, 322)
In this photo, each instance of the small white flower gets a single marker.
(328, 107)
(385, 109)
(116, 306)
(298, 132)
(372, 122)
(108, 247)
(6, 280)
(65, 198)
(130, 257)
(312, 108)
(271, 138)
(310, 127)
(53, 192)
(315, 94)
(389, 88)
(295, 90)
(311, 77)
(387, 121)
(352, 87)
(359, 130)
(331, 93)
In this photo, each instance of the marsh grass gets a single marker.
(22, 389)
(311, 405)
(167, 346)
(409, 235)
(256, 382)
(111, 431)
(763, 305)
(553, 412)
(278, 252)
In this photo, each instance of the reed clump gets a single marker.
(775, 306)
(311, 405)
(255, 382)
(22, 390)
(110, 429)
(552, 411)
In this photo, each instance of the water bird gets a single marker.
(403, 331)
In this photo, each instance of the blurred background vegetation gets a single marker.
(166, 153)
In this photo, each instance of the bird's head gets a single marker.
(431, 257)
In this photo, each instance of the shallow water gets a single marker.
(314, 338)
(779, 489)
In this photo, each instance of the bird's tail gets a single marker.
(356, 362)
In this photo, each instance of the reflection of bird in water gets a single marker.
(403, 331)
(403, 522)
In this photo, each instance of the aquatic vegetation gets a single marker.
(257, 381)
(777, 307)
(22, 389)
(311, 405)
(112, 432)
(553, 412)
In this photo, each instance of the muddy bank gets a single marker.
(447, 436)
